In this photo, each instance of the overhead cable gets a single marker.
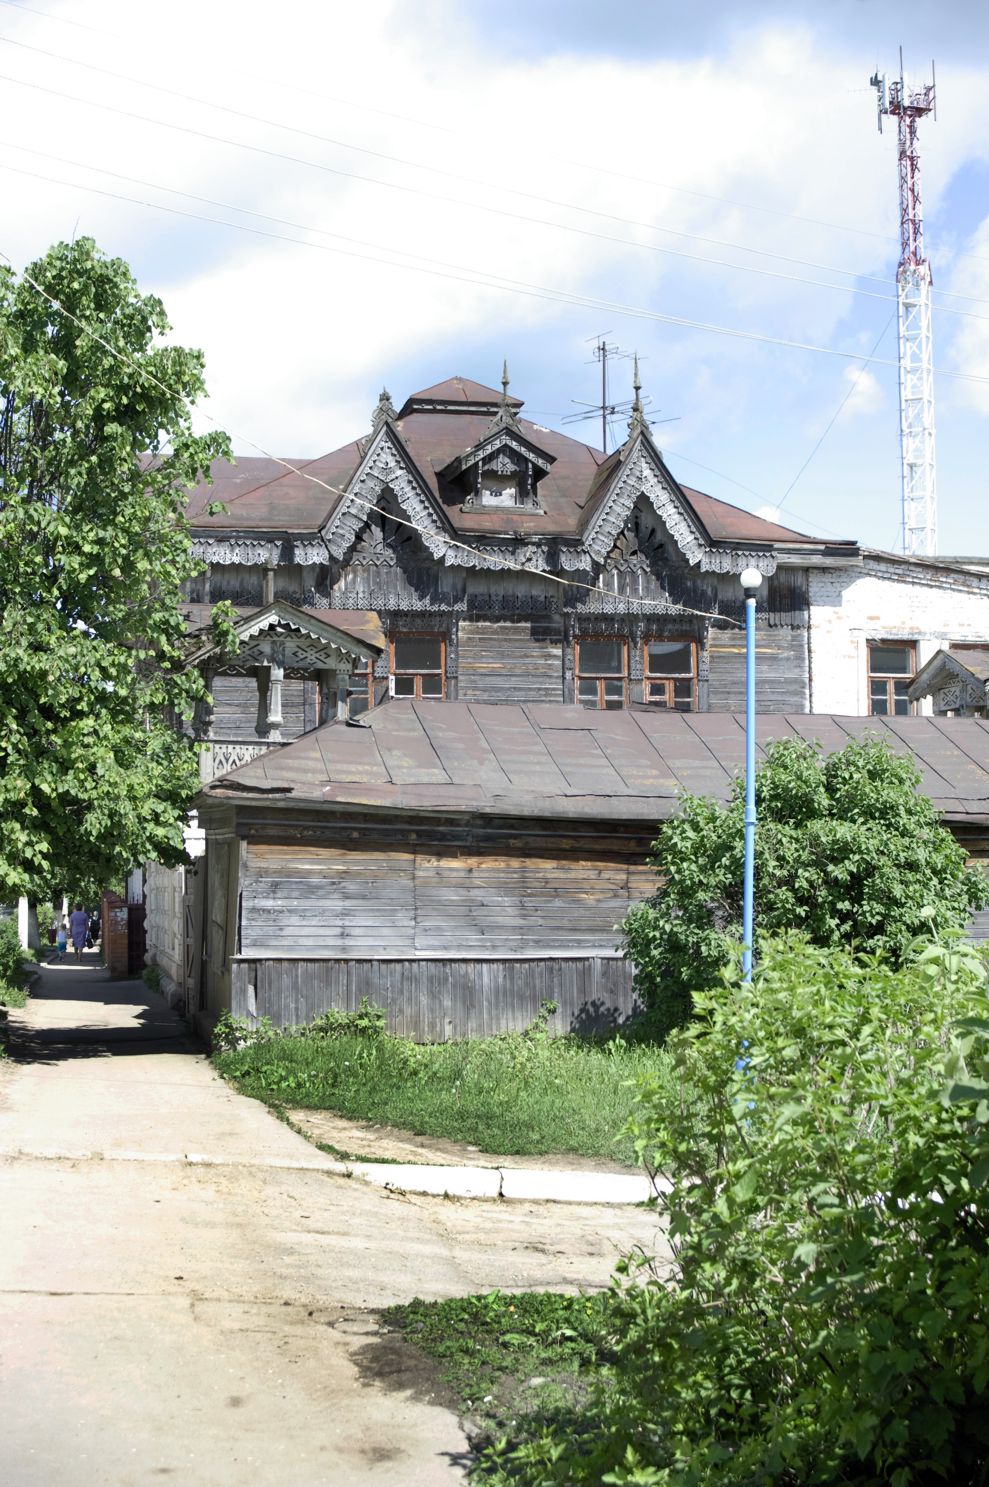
(667, 606)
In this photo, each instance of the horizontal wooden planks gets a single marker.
(440, 999)
(325, 900)
(509, 662)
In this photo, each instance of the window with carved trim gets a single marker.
(892, 665)
(669, 675)
(602, 671)
(418, 666)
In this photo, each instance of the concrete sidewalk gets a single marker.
(193, 1297)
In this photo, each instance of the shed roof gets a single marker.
(550, 760)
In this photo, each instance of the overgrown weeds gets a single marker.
(514, 1362)
(515, 1094)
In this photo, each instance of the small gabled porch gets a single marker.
(274, 647)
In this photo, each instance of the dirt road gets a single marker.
(184, 1298)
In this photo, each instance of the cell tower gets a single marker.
(913, 286)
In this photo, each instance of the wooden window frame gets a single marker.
(417, 694)
(600, 677)
(890, 678)
(669, 679)
(362, 668)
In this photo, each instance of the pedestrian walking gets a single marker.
(61, 940)
(79, 927)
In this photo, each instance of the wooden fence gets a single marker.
(436, 999)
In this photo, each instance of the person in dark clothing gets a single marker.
(79, 929)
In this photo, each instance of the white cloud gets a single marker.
(865, 394)
(658, 150)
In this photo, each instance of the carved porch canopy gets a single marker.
(280, 643)
(295, 639)
(957, 679)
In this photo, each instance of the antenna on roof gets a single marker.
(606, 409)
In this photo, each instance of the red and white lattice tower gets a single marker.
(913, 283)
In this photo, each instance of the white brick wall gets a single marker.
(885, 599)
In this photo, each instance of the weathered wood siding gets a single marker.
(510, 662)
(782, 684)
(433, 1000)
(309, 900)
(235, 707)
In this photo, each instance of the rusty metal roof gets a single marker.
(550, 760)
(362, 624)
(437, 425)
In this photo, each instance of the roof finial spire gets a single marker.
(506, 417)
(385, 410)
(637, 422)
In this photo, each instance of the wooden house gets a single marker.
(460, 561)
(457, 863)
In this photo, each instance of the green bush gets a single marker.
(826, 1316)
(12, 975)
(847, 852)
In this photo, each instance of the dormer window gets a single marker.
(503, 482)
(501, 471)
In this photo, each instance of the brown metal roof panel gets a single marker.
(518, 747)
(725, 522)
(974, 740)
(936, 752)
(460, 746)
(349, 754)
(583, 759)
(404, 746)
(973, 658)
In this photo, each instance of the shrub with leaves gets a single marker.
(847, 851)
(826, 1315)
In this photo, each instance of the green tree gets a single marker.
(96, 446)
(848, 852)
(824, 1319)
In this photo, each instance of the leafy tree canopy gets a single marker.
(847, 852)
(94, 549)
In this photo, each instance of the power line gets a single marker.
(486, 207)
(837, 412)
(459, 202)
(295, 86)
(484, 279)
(667, 606)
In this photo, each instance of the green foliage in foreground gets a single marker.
(96, 446)
(12, 974)
(509, 1357)
(826, 1319)
(518, 1094)
(847, 852)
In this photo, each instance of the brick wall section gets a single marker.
(885, 600)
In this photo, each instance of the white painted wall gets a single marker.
(885, 599)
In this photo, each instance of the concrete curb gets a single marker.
(510, 1183)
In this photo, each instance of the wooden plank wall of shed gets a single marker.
(381, 900)
(435, 1000)
(235, 707)
(781, 670)
(510, 662)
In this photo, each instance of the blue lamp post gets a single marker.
(750, 581)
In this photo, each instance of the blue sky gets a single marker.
(434, 186)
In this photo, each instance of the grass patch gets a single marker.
(514, 1363)
(516, 1095)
